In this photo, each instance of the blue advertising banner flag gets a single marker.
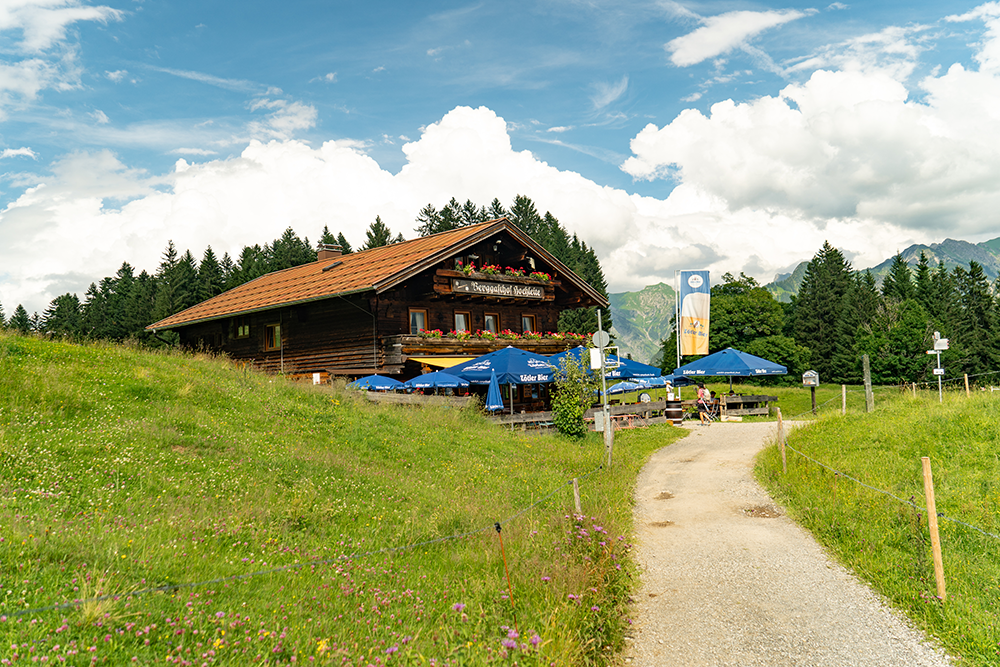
(695, 296)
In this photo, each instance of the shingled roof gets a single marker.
(378, 269)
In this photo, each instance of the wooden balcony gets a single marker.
(398, 349)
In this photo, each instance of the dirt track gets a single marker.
(729, 580)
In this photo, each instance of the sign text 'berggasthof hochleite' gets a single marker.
(511, 290)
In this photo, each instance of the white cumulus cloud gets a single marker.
(92, 212)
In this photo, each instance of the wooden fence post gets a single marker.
(781, 442)
(843, 400)
(932, 525)
(576, 495)
(869, 397)
(967, 385)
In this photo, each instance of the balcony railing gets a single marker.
(398, 348)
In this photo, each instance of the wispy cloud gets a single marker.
(606, 93)
(18, 152)
(894, 50)
(286, 118)
(49, 59)
(43, 23)
(100, 117)
(725, 32)
(202, 152)
(117, 76)
(237, 85)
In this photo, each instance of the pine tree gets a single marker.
(64, 316)
(210, 276)
(177, 283)
(227, 267)
(345, 247)
(289, 251)
(976, 323)
(898, 283)
(139, 307)
(3, 320)
(378, 235)
(470, 214)
(923, 286)
(116, 294)
(20, 321)
(496, 210)
(429, 221)
(97, 320)
(327, 237)
(820, 307)
(524, 214)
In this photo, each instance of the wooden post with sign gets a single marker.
(601, 339)
(932, 525)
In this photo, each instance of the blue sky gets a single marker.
(734, 136)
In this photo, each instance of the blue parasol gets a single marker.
(730, 362)
(436, 380)
(622, 387)
(511, 366)
(376, 383)
(493, 400)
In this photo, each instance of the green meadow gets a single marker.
(883, 535)
(170, 508)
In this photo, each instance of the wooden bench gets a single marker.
(746, 405)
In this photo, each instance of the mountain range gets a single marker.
(642, 319)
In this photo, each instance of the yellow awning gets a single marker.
(441, 362)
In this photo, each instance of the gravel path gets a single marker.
(729, 580)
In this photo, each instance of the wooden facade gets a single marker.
(357, 314)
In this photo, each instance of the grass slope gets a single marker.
(885, 540)
(123, 472)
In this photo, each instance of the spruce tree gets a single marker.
(820, 307)
(496, 210)
(210, 276)
(898, 283)
(378, 235)
(20, 321)
(139, 307)
(289, 251)
(327, 237)
(524, 214)
(345, 247)
(428, 221)
(64, 316)
(227, 267)
(923, 286)
(96, 316)
(976, 323)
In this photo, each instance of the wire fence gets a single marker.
(311, 563)
(904, 501)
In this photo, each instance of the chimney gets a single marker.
(328, 251)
